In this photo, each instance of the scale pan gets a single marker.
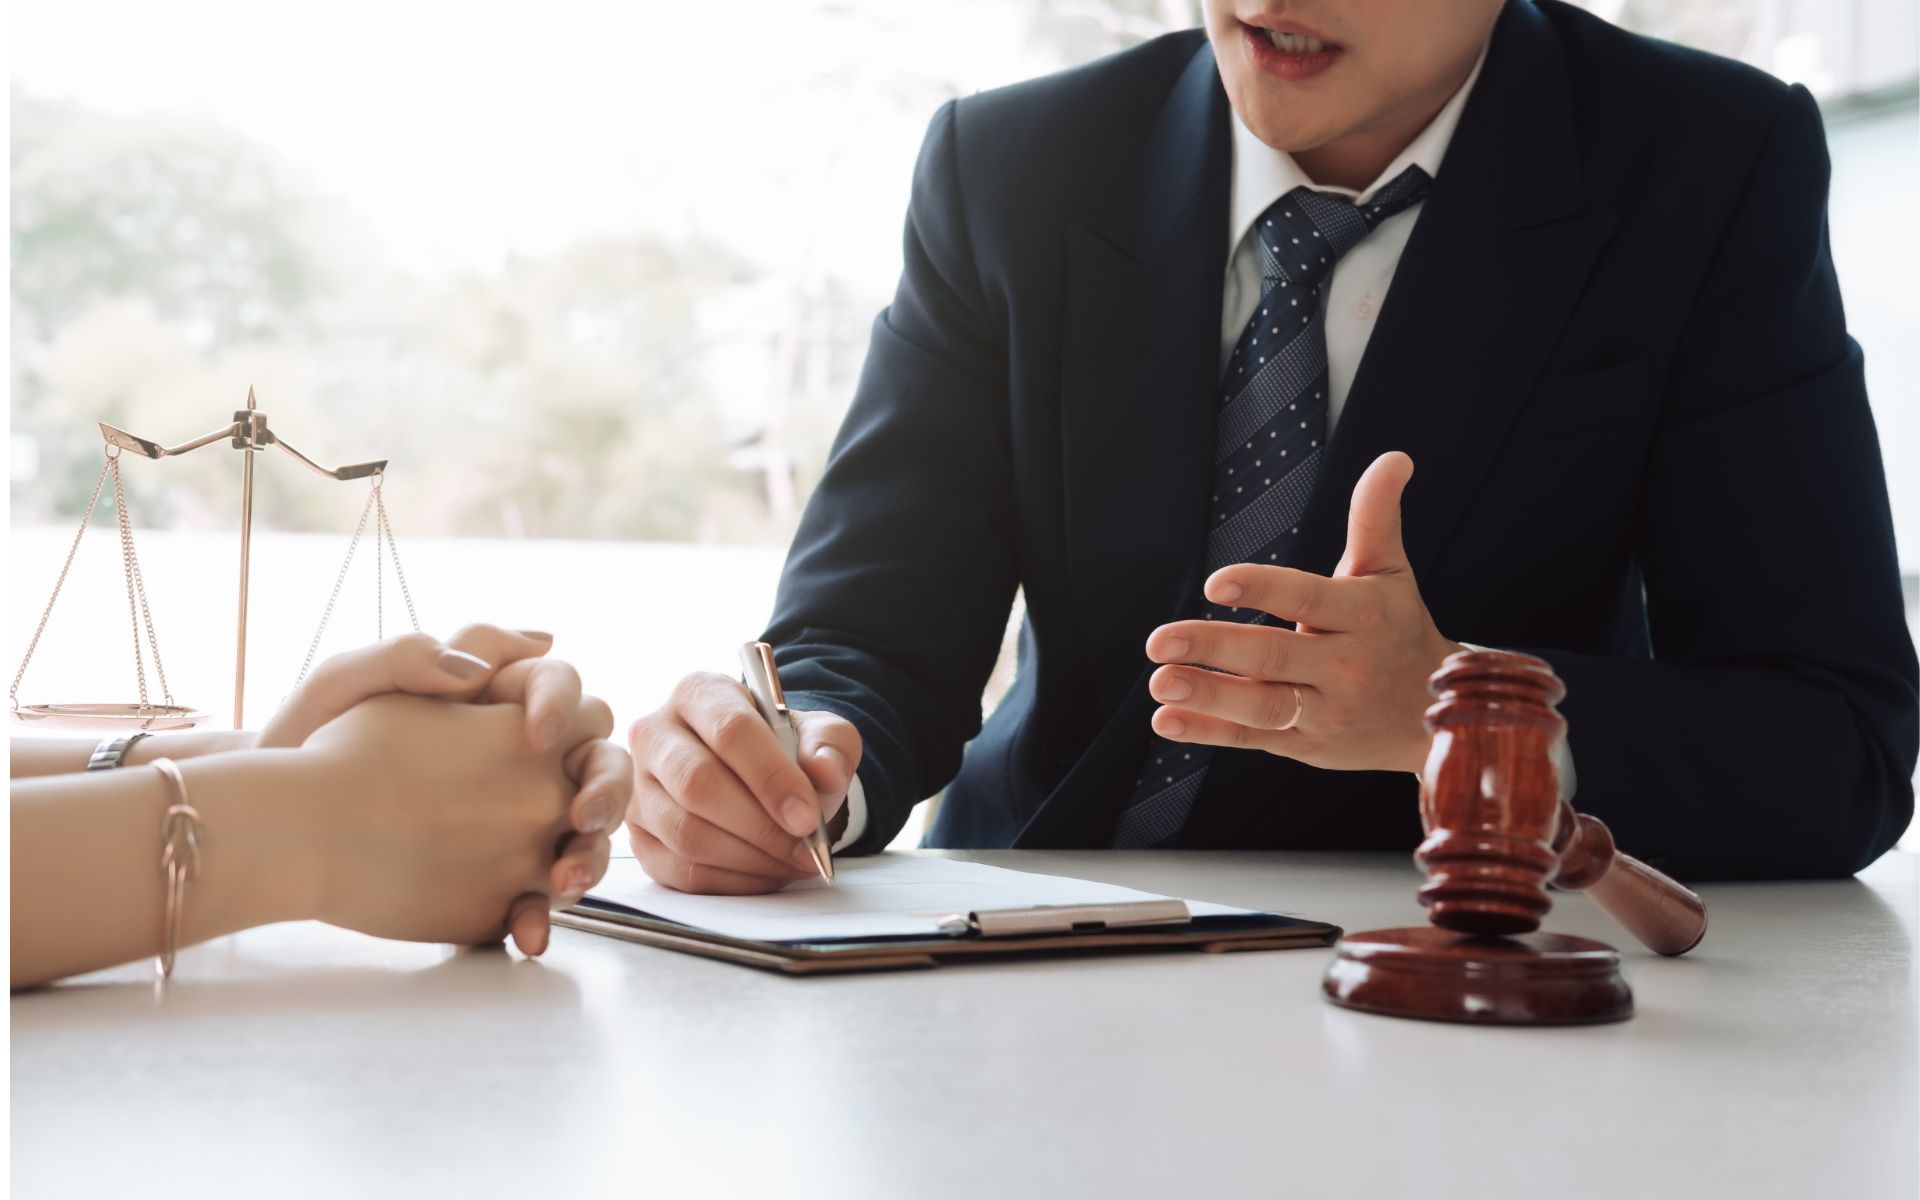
(150, 717)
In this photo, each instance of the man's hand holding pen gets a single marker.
(761, 678)
(718, 805)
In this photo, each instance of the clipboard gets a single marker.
(1162, 924)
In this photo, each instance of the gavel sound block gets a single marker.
(1498, 832)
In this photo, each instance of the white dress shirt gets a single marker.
(1358, 287)
(1355, 293)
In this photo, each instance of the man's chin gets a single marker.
(1291, 136)
(1285, 123)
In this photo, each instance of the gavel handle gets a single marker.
(1666, 917)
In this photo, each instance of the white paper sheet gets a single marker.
(885, 895)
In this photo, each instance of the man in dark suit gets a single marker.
(1144, 366)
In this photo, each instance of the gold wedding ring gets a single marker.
(1299, 707)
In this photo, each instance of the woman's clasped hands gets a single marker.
(455, 822)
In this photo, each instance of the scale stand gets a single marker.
(247, 433)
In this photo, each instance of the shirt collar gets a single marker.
(1262, 174)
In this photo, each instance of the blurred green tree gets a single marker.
(204, 226)
(162, 267)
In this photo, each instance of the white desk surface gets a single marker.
(1779, 1059)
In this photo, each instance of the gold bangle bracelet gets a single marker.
(179, 859)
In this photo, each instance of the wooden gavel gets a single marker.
(1498, 829)
(1499, 832)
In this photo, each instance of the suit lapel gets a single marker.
(1140, 366)
(1140, 363)
(1500, 252)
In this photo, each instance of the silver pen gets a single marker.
(763, 684)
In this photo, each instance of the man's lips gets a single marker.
(1290, 54)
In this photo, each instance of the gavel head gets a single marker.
(1490, 793)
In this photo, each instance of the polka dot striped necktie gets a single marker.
(1270, 435)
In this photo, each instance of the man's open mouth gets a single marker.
(1297, 43)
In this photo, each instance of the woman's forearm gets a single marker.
(35, 757)
(87, 886)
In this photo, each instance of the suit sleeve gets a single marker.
(897, 589)
(1774, 734)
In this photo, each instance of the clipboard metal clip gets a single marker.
(1066, 918)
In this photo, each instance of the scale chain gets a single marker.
(137, 586)
(338, 582)
(393, 550)
(379, 572)
(13, 692)
(126, 558)
(136, 579)
(375, 507)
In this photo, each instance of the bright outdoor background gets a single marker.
(595, 277)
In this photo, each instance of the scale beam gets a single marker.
(247, 433)
(147, 449)
(350, 471)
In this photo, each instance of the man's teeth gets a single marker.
(1294, 43)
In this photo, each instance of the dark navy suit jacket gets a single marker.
(1613, 346)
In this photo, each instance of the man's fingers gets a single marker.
(1250, 702)
(1184, 725)
(690, 800)
(414, 662)
(697, 840)
(1374, 544)
(722, 715)
(1291, 595)
(605, 774)
(1252, 651)
(670, 870)
(829, 754)
(718, 802)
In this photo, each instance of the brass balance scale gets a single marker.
(247, 433)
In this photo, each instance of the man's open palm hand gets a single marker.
(1350, 679)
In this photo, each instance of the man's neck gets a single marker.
(1356, 159)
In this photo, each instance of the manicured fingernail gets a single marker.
(800, 815)
(462, 665)
(1172, 726)
(535, 634)
(1176, 647)
(582, 879)
(551, 731)
(832, 757)
(1226, 591)
(1172, 688)
(537, 943)
(600, 816)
